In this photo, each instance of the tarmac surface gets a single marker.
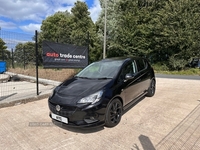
(22, 89)
(168, 121)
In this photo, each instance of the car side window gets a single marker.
(141, 64)
(127, 69)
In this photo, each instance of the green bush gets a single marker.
(177, 63)
(160, 67)
(164, 69)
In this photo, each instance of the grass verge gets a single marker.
(163, 69)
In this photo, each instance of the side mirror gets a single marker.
(128, 76)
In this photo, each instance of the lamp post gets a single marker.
(104, 43)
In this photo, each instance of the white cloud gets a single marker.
(95, 10)
(36, 10)
(32, 12)
(19, 10)
(58, 5)
(63, 9)
(7, 25)
(31, 27)
(11, 43)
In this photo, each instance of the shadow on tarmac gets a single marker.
(4, 97)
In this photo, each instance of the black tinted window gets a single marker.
(141, 64)
(127, 69)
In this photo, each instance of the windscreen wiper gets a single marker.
(104, 78)
(82, 77)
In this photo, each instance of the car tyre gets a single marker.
(152, 88)
(113, 113)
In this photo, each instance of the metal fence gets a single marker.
(18, 50)
(25, 78)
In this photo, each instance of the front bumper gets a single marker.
(80, 117)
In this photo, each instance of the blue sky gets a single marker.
(25, 16)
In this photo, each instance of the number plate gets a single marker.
(59, 118)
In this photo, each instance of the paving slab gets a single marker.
(169, 120)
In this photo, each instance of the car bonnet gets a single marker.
(71, 91)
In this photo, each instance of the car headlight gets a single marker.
(52, 93)
(93, 98)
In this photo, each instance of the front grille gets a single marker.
(64, 111)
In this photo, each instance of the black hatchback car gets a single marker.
(100, 93)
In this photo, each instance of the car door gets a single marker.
(144, 75)
(129, 87)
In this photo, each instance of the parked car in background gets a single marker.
(195, 63)
(100, 93)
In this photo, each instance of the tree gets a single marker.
(72, 28)
(130, 36)
(56, 28)
(155, 28)
(4, 54)
(25, 53)
(82, 24)
(111, 22)
(176, 29)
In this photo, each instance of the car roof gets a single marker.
(122, 59)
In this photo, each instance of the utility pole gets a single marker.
(104, 43)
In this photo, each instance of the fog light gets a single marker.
(90, 120)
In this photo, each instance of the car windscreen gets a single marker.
(102, 69)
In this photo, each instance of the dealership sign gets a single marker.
(56, 55)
